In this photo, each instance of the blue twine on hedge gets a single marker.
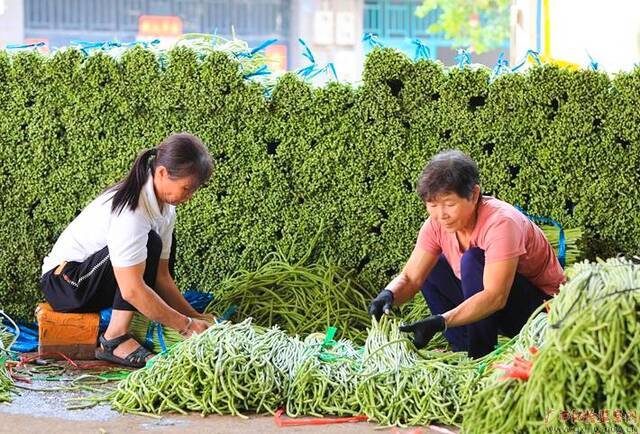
(263, 70)
(307, 52)
(23, 46)
(264, 45)
(372, 40)
(307, 71)
(463, 58)
(328, 67)
(421, 50)
(562, 242)
(534, 54)
(592, 63)
(260, 47)
(502, 66)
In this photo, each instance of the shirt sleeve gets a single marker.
(505, 239)
(428, 238)
(127, 238)
(167, 236)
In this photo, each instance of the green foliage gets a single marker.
(562, 144)
(480, 24)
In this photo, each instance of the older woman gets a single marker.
(481, 265)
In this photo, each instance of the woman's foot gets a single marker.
(124, 350)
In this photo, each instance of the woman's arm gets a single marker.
(406, 284)
(497, 279)
(136, 292)
(169, 291)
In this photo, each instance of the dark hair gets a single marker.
(448, 172)
(183, 155)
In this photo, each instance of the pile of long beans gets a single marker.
(400, 386)
(586, 374)
(301, 299)
(229, 369)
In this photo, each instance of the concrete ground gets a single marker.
(46, 412)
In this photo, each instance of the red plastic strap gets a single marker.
(314, 420)
(24, 360)
(520, 368)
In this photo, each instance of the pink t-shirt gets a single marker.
(503, 233)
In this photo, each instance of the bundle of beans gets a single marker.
(497, 396)
(302, 299)
(149, 332)
(400, 386)
(325, 383)
(573, 242)
(228, 369)
(587, 372)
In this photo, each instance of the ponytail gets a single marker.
(128, 190)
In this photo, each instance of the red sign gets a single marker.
(150, 26)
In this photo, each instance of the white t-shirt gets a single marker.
(125, 234)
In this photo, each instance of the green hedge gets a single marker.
(564, 144)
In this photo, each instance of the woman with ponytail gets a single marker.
(119, 251)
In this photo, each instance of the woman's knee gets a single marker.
(472, 271)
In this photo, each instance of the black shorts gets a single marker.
(91, 286)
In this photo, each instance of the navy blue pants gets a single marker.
(443, 291)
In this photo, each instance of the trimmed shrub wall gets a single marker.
(563, 144)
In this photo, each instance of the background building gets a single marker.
(333, 29)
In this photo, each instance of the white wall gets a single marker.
(608, 30)
(11, 22)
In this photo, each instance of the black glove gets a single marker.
(381, 304)
(424, 330)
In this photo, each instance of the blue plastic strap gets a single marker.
(372, 40)
(534, 54)
(422, 51)
(148, 340)
(307, 52)
(562, 242)
(592, 63)
(161, 337)
(329, 67)
(228, 313)
(305, 72)
(463, 58)
(264, 45)
(502, 65)
(21, 46)
(260, 71)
